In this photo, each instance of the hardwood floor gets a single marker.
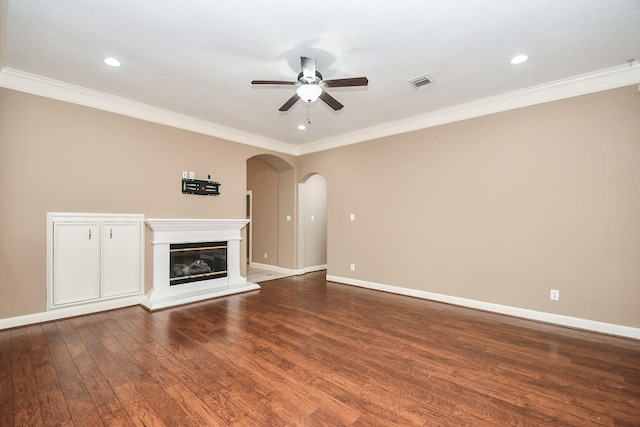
(302, 351)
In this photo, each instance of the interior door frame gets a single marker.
(249, 202)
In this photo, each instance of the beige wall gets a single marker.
(314, 201)
(287, 244)
(499, 209)
(61, 157)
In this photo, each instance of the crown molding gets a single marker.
(42, 86)
(609, 78)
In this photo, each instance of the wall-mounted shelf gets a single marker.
(200, 187)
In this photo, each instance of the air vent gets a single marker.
(422, 81)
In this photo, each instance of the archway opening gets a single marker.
(271, 208)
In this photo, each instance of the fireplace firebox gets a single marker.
(194, 262)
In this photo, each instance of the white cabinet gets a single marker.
(120, 267)
(76, 262)
(94, 257)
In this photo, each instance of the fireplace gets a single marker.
(195, 262)
(195, 259)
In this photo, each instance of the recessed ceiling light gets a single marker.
(519, 59)
(112, 62)
(302, 127)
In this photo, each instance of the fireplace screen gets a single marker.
(193, 262)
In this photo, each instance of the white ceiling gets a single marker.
(198, 57)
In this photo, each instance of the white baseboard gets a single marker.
(274, 268)
(264, 266)
(296, 272)
(313, 268)
(142, 300)
(557, 319)
(62, 313)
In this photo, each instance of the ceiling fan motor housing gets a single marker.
(308, 80)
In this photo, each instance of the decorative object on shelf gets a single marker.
(200, 187)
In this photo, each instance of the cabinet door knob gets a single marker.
(89, 234)
(110, 233)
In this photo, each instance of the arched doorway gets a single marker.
(271, 197)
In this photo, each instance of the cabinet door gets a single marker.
(76, 262)
(121, 258)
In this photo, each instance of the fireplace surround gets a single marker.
(194, 260)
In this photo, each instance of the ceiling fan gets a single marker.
(311, 85)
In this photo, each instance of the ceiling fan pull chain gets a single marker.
(308, 113)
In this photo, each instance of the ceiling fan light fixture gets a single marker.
(309, 92)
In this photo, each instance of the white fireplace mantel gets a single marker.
(167, 231)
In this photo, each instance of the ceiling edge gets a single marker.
(49, 88)
(609, 78)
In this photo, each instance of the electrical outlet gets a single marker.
(352, 217)
(265, 255)
(353, 267)
(184, 175)
(554, 295)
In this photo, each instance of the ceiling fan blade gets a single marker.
(330, 101)
(354, 81)
(271, 82)
(308, 67)
(289, 103)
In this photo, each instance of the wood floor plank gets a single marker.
(138, 409)
(105, 352)
(109, 407)
(26, 407)
(199, 412)
(35, 337)
(19, 340)
(6, 387)
(211, 393)
(143, 370)
(50, 395)
(79, 403)
(5, 341)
